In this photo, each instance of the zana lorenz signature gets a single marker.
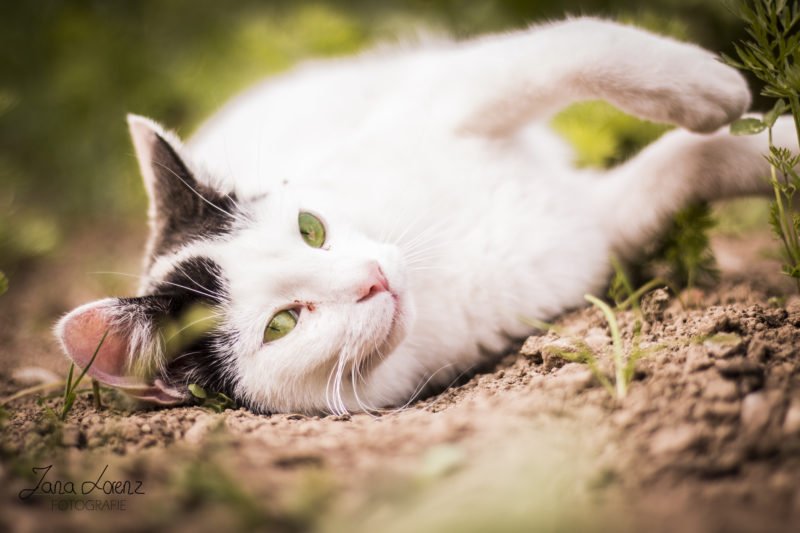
(59, 487)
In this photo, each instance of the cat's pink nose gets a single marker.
(376, 283)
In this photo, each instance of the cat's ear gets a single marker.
(167, 177)
(181, 206)
(128, 327)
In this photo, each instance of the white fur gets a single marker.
(436, 163)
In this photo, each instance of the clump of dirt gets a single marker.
(708, 438)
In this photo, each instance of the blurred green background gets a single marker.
(71, 70)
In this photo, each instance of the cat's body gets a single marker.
(450, 213)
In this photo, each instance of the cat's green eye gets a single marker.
(311, 229)
(280, 325)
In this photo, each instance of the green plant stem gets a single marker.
(788, 235)
(69, 392)
(616, 338)
(794, 105)
(96, 393)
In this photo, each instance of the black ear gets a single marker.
(181, 207)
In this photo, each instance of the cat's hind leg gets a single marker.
(641, 195)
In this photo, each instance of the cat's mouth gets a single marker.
(387, 340)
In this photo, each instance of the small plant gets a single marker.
(3, 283)
(217, 402)
(685, 248)
(71, 387)
(622, 292)
(623, 367)
(773, 56)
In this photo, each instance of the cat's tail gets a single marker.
(683, 167)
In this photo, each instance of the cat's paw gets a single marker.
(713, 95)
(679, 84)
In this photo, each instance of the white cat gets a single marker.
(365, 227)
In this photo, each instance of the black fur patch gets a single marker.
(194, 283)
(185, 209)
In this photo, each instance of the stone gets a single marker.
(597, 339)
(791, 422)
(720, 389)
(675, 439)
(697, 359)
(130, 431)
(758, 350)
(574, 377)
(71, 436)
(654, 303)
(739, 366)
(723, 345)
(756, 411)
(197, 433)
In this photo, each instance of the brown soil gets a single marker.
(707, 439)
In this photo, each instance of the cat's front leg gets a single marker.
(529, 75)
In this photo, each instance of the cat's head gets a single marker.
(274, 300)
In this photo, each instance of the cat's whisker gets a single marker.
(433, 268)
(355, 369)
(183, 355)
(431, 250)
(452, 382)
(333, 389)
(212, 316)
(206, 200)
(418, 390)
(409, 227)
(423, 258)
(329, 390)
(428, 233)
(180, 267)
(140, 276)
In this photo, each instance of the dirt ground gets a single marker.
(707, 439)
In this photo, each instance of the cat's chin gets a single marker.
(393, 331)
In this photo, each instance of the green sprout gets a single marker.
(686, 248)
(71, 386)
(217, 402)
(773, 56)
(3, 283)
(621, 290)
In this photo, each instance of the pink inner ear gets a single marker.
(81, 332)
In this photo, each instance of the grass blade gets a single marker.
(616, 339)
(69, 392)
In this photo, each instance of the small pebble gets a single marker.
(70, 436)
(720, 389)
(697, 359)
(677, 439)
(791, 423)
(654, 304)
(723, 345)
(130, 432)
(755, 413)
